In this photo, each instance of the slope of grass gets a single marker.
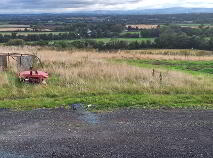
(88, 78)
(102, 102)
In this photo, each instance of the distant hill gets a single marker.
(152, 11)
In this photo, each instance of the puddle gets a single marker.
(9, 155)
(86, 116)
(4, 109)
(77, 107)
(90, 117)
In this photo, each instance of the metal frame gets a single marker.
(15, 55)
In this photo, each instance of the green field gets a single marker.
(133, 32)
(110, 39)
(195, 25)
(105, 40)
(194, 67)
(124, 39)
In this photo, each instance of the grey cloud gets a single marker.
(69, 5)
(40, 4)
(53, 4)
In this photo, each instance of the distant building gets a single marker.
(89, 32)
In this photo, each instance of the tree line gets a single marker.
(167, 37)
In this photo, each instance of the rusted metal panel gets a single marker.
(3, 62)
(25, 62)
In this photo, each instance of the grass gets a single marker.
(184, 54)
(109, 39)
(88, 77)
(195, 25)
(193, 67)
(105, 40)
(104, 102)
(125, 39)
(130, 32)
(190, 66)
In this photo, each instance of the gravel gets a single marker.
(66, 133)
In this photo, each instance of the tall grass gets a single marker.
(3, 79)
(89, 72)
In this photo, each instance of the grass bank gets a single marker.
(88, 77)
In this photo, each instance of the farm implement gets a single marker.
(25, 63)
(33, 76)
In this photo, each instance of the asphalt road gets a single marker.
(67, 133)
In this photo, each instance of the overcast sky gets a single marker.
(60, 6)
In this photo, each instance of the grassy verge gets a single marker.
(102, 102)
(21, 96)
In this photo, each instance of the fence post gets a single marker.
(153, 72)
(161, 77)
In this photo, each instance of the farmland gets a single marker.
(143, 26)
(111, 80)
(112, 36)
(11, 28)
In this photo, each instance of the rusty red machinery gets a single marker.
(33, 76)
(25, 67)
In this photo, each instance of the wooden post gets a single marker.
(3, 62)
(153, 72)
(20, 60)
(161, 77)
(8, 58)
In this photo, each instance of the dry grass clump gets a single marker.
(3, 79)
(142, 54)
(15, 49)
(183, 52)
(166, 57)
(166, 54)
